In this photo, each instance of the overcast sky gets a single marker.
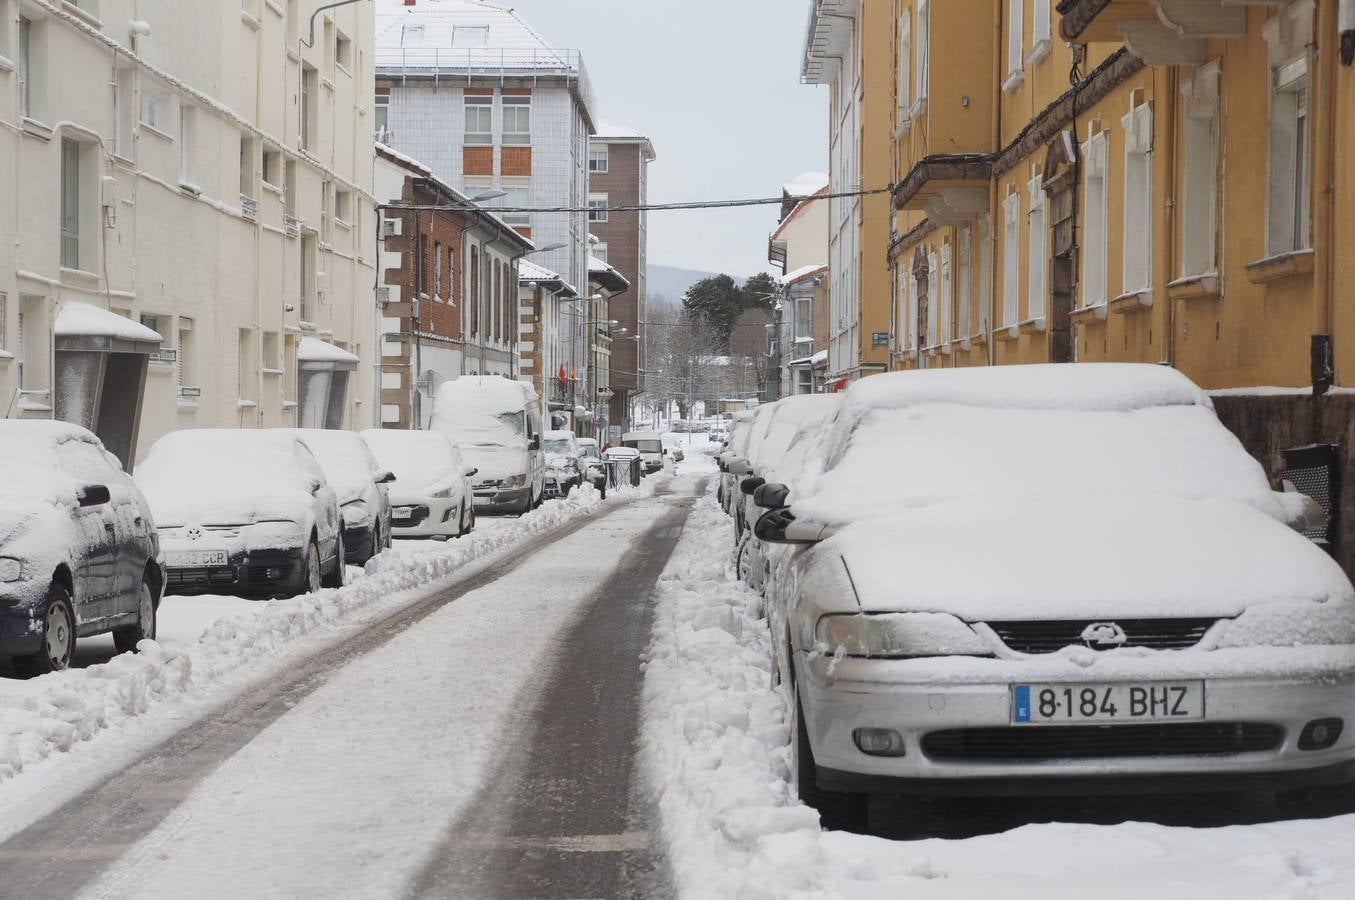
(716, 86)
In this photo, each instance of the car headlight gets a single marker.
(515, 481)
(899, 635)
(354, 512)
(444, 494)
(10, 570)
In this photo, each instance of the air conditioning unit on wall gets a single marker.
(390, 228)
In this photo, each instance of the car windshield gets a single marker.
(514, 420)
(590, 451)
(645, 446)
(557, 445)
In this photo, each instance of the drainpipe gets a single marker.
(996, 144)
(1324, 168)
(1171, 209)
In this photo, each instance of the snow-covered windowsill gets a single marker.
(1033, 326)
(5, 356)
(1094, 313)
(1195, 287)
(1039, 51)
(1132, 301)
(5, 64)
(1280, 266)
(1014, 81)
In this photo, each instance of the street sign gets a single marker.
(879, 339)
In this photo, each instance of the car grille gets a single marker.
(1052, 636)
(1062, 742)
(200, 576)
(416, 516)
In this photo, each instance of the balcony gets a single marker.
(1160, 32)
(562, 394)
(951, 188)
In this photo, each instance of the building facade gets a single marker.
(543, 313)
(618, 165)
(472, 92)
(798, 246)
(208, 176)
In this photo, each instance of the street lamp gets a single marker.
(494, 194)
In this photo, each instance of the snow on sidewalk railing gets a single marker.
(54, 713)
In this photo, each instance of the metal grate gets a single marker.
(1312, 471)
(1052, 636)
(1068, 742)
(200, 576)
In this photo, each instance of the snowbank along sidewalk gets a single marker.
(56, 713)
(716, 751)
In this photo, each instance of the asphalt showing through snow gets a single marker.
(66, 851)
(564, 815)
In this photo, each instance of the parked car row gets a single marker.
(1034, 580)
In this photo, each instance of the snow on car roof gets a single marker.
(791, 418)
(560, 436)
(224, 476)
(423, 461)
(468, 408)
(30, 447)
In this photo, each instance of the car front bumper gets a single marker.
(359, 544)
(435, 518)
(252, 573)
(839, 698)
(510, 500)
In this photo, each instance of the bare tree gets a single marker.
(680, 348)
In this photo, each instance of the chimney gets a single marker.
(410, 2)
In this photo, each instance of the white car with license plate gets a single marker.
(431, 495)
(1046, 579)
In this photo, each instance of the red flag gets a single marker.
(563, 376)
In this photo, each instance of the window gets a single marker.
(986, 275)
(1138, 186)
(310, 100)
(246, 166)
(945, 299)
(517, 120)
(909, 325)
(1036, 249)
(1040, 32)
(473, 307)
(309, 248)
(293, 22)
(906, 66)
(343, 51)
(27, 52)
(923, 56)
(289, 188)
(411, 34)
(597, 207)
(933, 300)
(437, 270)
(600, 251)
(421, 265)
(479, 120)
(965, 289)
(1011, 262)
(70, 204)
(185, 353)
(1094, 233)
(155, 106)
(124, 113)
(245, 365)
(470, 36)
(1200, 162)
(187, 144)
(34, 347)
(519, 194)
(598, 158)
(343, 205)
(382, 111)
(1016, 40)
(326, 212)
(272, 167)
(1287, 36)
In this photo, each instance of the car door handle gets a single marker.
(109, 526)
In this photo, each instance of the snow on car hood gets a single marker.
(424, 462)
(495, 461)
(1093, 557)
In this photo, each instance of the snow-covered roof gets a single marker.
(84, 320)
(612, 133)
(819, 358)
(312, 349)
(803, 273)
(805, 185)
(607, 275)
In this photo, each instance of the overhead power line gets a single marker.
(644, 207)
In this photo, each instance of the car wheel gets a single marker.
(471, 526)
(125, 639)
(837, 811)
(311, 576)
(461, 520)
(58, 637)
(335, 578)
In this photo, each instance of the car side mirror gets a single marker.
(315, 485)
(779, 526)
(385, 477)
(93, 495)
(749, 485)
(740, 466)
(534, 443)
(471, 471)
(665, 451)
(771, 496)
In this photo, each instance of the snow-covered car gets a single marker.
(78, 549)
(361, 486)
(778, 458)
(739, 430)
(1051, 578)
(496, 424)
(243, 511)
(431, 496)
(650, 445)
(564, 462)
(736, 462)
(592, 458)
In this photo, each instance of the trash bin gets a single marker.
(621, 466)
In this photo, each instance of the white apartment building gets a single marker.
(471, 91)
(205, 170)
(832, 57)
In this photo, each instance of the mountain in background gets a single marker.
(672, 282)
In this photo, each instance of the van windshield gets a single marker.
(645, 446)
(514, 420)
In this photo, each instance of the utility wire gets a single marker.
(644, 207)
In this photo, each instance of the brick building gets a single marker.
(449, 287)
(618, 162)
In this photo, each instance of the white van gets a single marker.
(650, 445)
(496, 424)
